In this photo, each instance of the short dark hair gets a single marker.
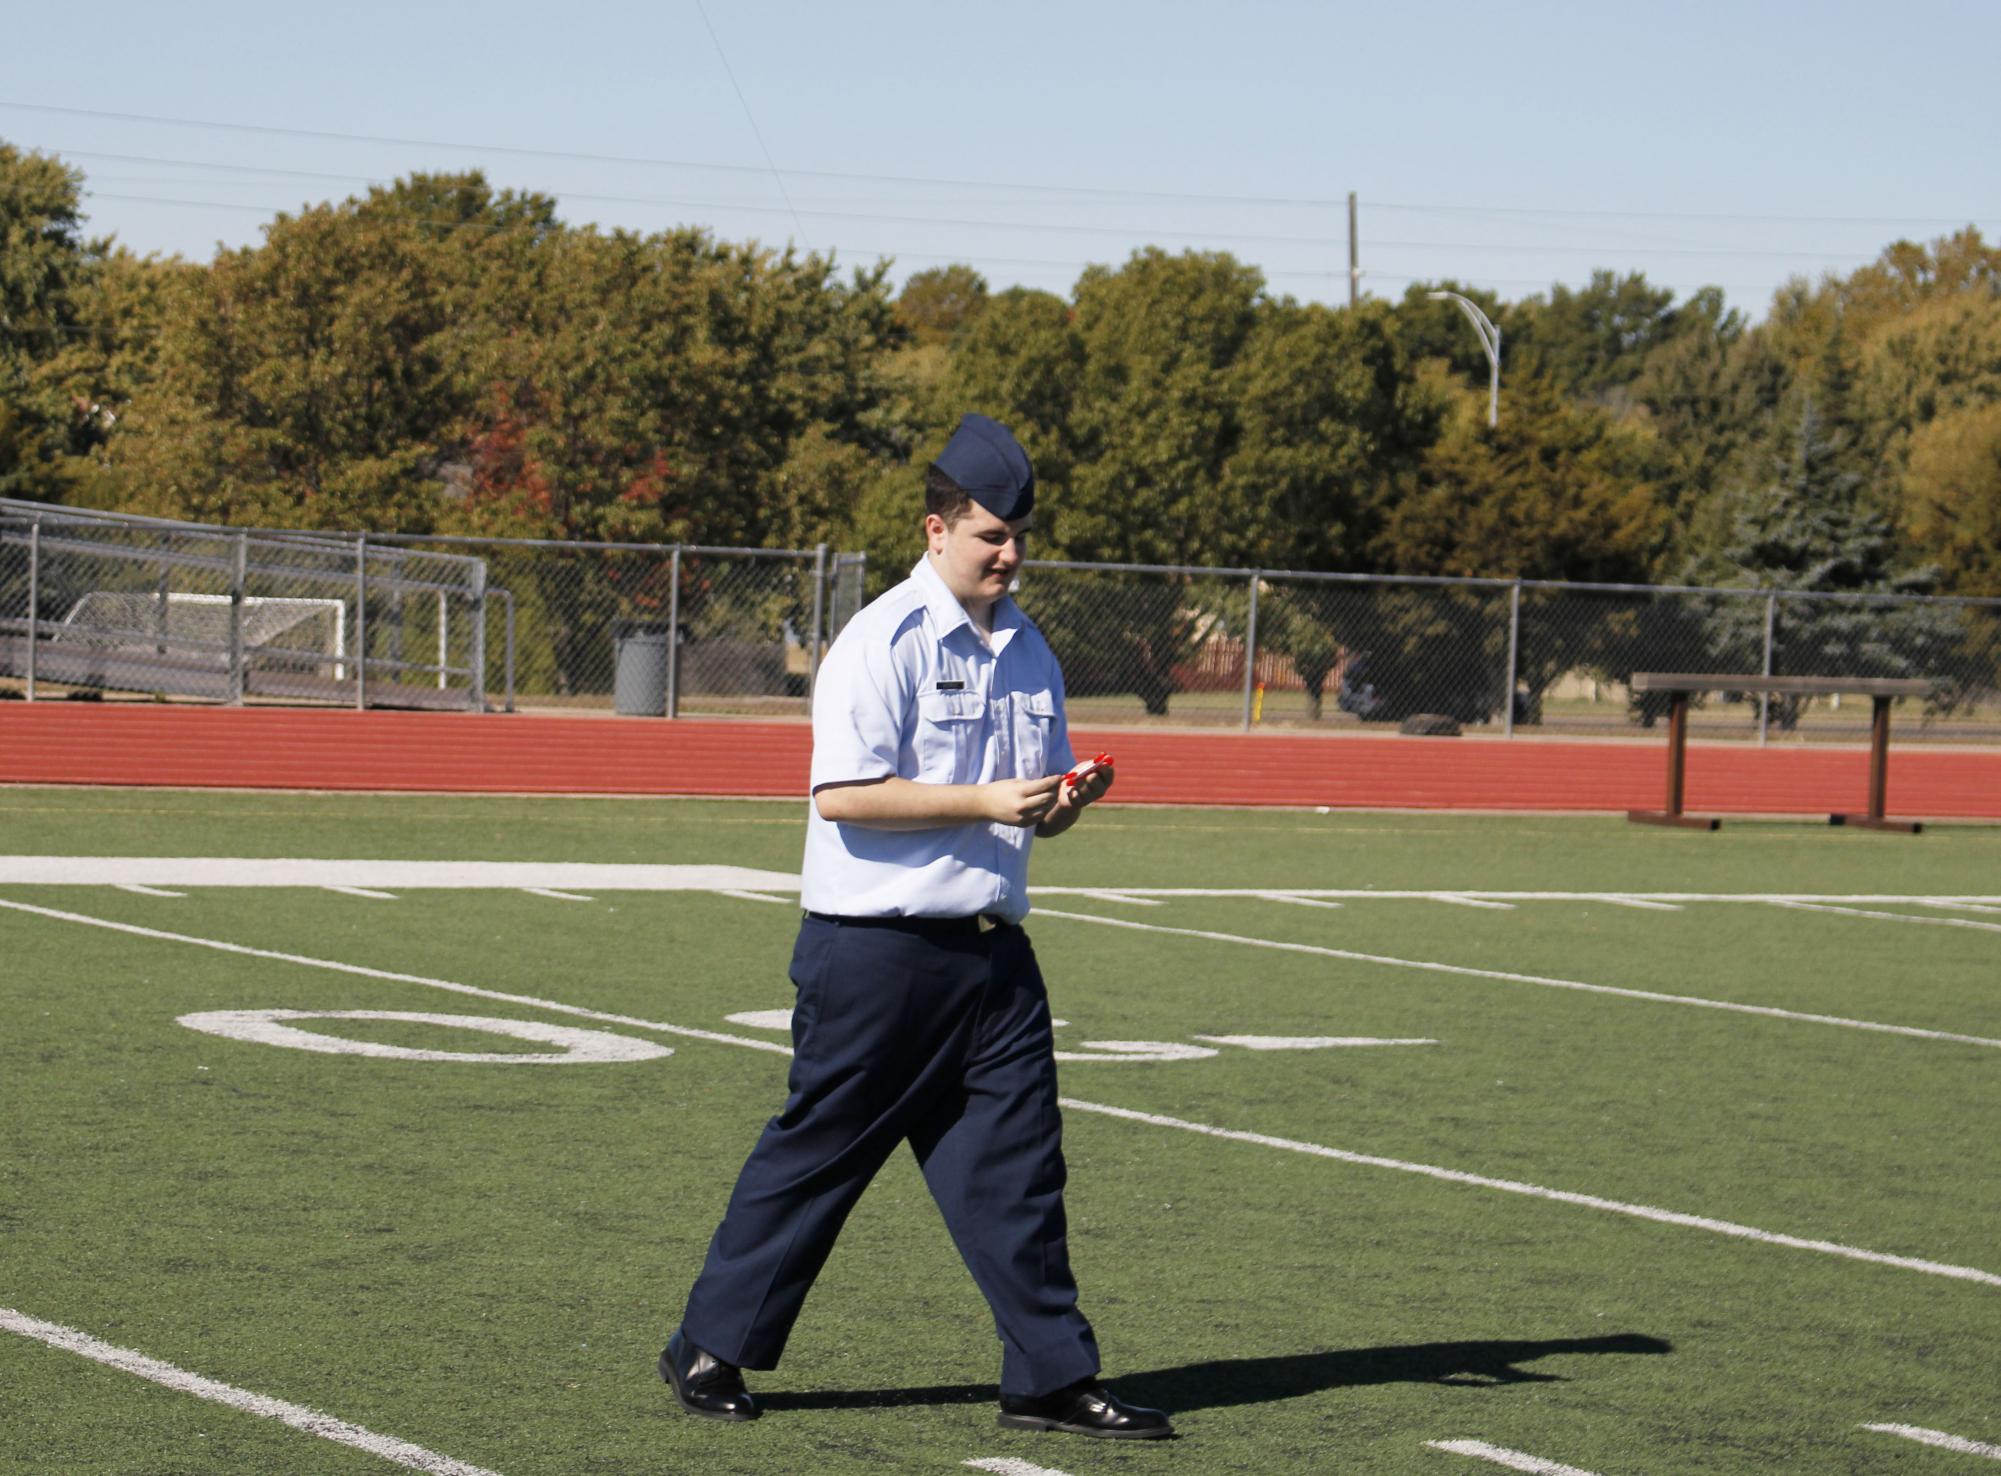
(944, 496)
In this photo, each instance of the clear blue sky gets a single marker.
(1506, 144)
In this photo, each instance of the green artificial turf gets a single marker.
(485, 1259)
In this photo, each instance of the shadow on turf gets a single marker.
(1231, 1381)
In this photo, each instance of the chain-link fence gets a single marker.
(98, 602)
(94, 603)
(676, 630)
(1256, 647)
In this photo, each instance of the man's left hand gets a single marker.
(1071, 800)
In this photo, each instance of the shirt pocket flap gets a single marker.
(1037, 704)
(951, 707)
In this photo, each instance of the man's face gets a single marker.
(977, 555)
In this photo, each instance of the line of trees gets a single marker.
(437, 355)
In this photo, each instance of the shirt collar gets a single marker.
(947, 614)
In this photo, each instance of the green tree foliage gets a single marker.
(1555, 491)
(935, 304)
(1951, 497)
(437, 354)
(309, 381)
(47, 412)
(1813, 527)
(1592, 342)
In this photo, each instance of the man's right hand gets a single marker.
(1020, 801)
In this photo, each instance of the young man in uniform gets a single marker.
(939, 748)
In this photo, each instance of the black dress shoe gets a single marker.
(703, 1383)
(1084, 1408)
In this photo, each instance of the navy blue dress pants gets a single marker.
(943, 1041)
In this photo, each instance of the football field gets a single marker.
(350, 1134)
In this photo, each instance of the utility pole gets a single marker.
(1354, 254)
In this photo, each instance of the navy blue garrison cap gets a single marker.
(987, 462)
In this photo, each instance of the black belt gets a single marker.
(923, 927)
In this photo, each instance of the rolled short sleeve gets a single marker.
(859, 699)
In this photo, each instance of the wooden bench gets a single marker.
(1882, 690)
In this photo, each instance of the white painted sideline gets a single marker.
(1514, 1460)
(1697, 1222)
(312, 1421)
(392, 875)
(1940, 1439)
(1693, 1000)
(1537, 1191)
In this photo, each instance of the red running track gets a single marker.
(279, 748)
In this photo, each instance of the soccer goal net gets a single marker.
(310, 631)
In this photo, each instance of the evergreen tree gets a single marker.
(1814, 528)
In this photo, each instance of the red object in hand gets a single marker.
(1089, 766)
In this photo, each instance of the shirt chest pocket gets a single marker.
(1034, 732)
(950, 736)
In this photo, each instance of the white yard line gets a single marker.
(1939, 1438)
(1694, 1001)
(1126, 897)
(138, 891)
(1902, 917)
(396, 978)
(368, 892)
(559, 896)
(752, 896)
(1011, 1466)
(1373, 894)
(1460, 899)
(1538, 1191)
(1306, 1042)
(1296, 901)
(298, 1416)
(1514, 1460)
(391, 875)
(1642, 904)
(1958, 906)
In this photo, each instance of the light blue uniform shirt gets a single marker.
(910, 690)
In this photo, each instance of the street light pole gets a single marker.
(1490, 340)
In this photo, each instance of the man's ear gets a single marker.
(934, 530)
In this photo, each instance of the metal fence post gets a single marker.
(238, 570)
(478, 598)
(674, 634)
(34, 599)
(361, 622)
(1251, 647)
(1765, 698)
(819, 608)
(510, 648)
(1514, 660)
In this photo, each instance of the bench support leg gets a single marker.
(1677, 771)
(1879, 777)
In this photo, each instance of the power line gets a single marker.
(755, 132)
(1093, 191)
(1057, 227)
(1067, 264)
(272, 130)
(1855, 220)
